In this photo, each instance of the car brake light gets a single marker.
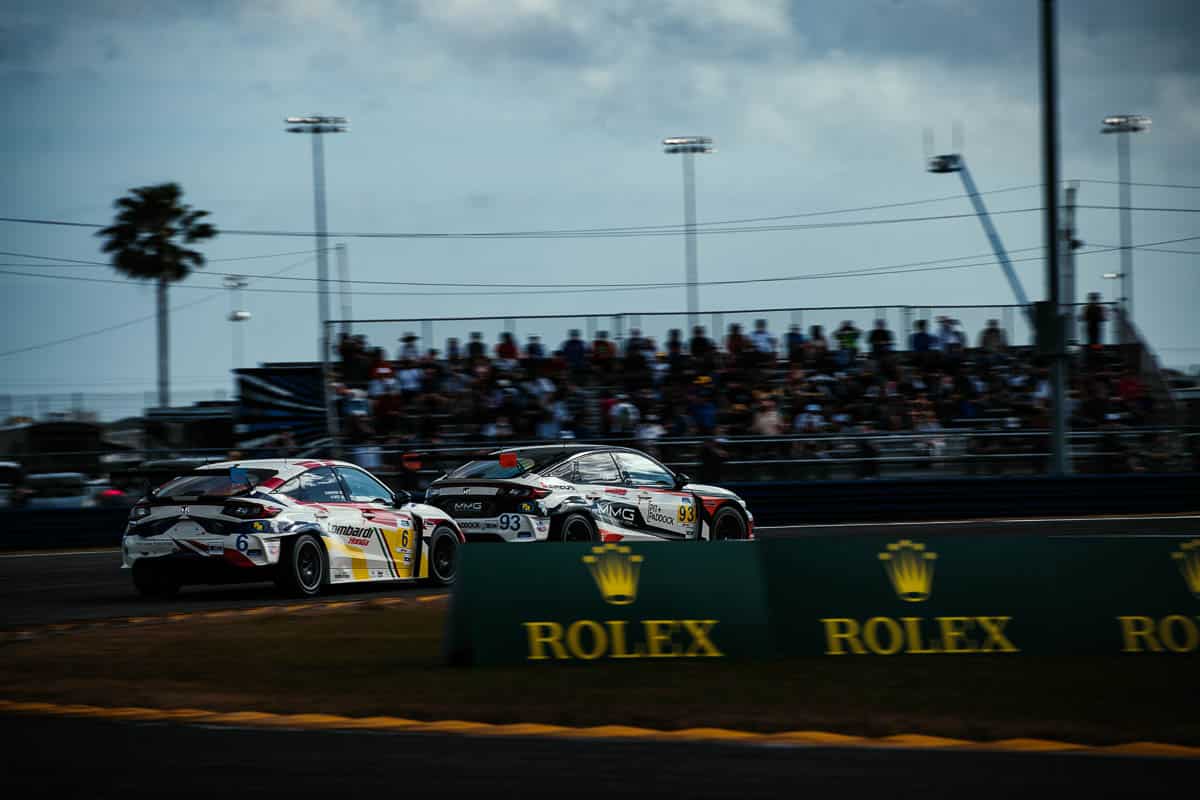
(111, 493)
(243, 510)
(534, 494)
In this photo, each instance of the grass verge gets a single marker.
(386, 661)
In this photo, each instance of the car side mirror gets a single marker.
(682, 479)
(401, 498)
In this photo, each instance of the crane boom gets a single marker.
(956, 163)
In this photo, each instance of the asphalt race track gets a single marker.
(74, 586)
(56, 587)
(70, 757)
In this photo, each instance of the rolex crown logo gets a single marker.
(615, 570)
(1189, 564)
(910, 569)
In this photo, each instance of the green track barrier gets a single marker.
(828, 597)
(567, 603)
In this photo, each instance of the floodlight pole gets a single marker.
(1060, 463)
(315, 125)
(1123, 125)
(688, 146)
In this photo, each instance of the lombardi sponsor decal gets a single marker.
(909, 568)
(616, 571)
(357, 536)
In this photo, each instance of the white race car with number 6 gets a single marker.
(305, 524)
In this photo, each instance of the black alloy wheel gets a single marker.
(443, 554)
(578, 528)
(302, 570)
(726, 524)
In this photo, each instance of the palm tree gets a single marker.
(146, 242)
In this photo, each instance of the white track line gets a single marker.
(60, 553)
(975, 521)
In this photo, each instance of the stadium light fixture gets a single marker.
(689, 146)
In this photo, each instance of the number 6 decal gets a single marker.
(243, 542)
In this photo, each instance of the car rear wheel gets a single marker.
(154, 582)
(303, 568)
(727, 523)
(443, 556)
(577, 528)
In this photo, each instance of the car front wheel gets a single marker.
(443, 556)
(727, 523)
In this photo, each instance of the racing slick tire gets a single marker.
(577, 527)
(154, 582)
(443, 556)
(727, 523)
(303, 567)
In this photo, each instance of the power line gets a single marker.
(625, 233)
(118, 326)
(83, 262)
(611, 229)
(546, 288)
(1155, 185)
(580, 234)
(891, 269)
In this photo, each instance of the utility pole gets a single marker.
(1069, 244)
(343, 263)
(1060, 462)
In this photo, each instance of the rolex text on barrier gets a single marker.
(869, 596)
(568, 603)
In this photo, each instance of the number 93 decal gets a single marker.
(509, 522)
(686, 513)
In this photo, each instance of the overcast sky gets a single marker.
(518, 115)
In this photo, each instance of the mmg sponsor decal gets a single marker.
(615, 569)
(909, 568)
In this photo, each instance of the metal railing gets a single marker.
(801, 457)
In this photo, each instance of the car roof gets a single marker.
(284, 468)
(566, 449)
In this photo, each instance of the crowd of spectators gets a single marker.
(754, 382)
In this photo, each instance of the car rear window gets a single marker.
(208, 484)
(495, 468)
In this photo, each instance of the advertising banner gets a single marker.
(975, 595)
(826, 597)
(569, 603)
